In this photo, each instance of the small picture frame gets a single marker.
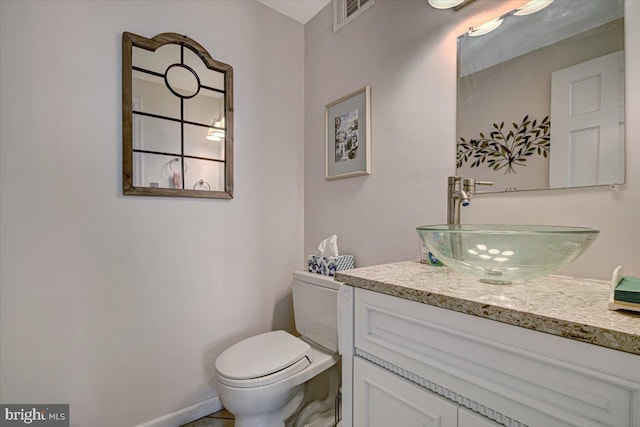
(348, 135)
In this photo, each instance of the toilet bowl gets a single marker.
(260, 379)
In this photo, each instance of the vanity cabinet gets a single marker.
(467, 418)
(406, 363)
(383, 399)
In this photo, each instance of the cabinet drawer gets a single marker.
(383, 399)
(474, 362)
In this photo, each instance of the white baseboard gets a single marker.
(186, 415)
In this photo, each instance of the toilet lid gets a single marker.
(262, 355)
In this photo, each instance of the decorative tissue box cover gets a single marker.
(328, 265)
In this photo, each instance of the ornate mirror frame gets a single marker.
(129, 41)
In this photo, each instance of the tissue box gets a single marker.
(328, 265)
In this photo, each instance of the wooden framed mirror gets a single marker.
(177, 119)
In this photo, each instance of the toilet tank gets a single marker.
(315, 303)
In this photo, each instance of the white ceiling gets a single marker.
(300, 10)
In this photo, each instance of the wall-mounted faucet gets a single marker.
(459, 192)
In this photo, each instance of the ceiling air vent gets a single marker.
(344, 11)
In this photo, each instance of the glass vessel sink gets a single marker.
(500, 254)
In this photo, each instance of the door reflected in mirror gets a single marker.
(540, 99)
(177, 119)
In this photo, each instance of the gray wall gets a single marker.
(120, 305)
(406, 50)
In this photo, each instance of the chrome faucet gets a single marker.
(459, 192)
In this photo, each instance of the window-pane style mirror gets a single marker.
(177, 119)
(541, 97)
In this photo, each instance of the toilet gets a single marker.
(260, 379)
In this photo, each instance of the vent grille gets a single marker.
(344, 11)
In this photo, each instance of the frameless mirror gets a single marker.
(177, 119)
(541, 97)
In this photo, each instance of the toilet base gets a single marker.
(264, 420)
(272, 419)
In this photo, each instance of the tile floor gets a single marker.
(219, 419)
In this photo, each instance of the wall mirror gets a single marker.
(177, 119)
(540, 100)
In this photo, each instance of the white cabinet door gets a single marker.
(383, 399)
(467, 418)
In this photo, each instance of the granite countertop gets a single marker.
(564, 306)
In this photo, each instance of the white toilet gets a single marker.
(260, 379)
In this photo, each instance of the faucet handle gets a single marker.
(470, 185)
(452, 180)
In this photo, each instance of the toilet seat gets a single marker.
(287, 372)
(263, 359)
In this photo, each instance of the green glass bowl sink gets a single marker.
(500, 254)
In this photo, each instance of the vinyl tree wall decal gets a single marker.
(502, 150)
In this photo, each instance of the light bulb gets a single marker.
(486, 28)
(445, 4)
(532, 7)
(214, 134)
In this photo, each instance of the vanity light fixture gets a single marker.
(532, 7)
(214, 134)
(448, 4)
(485, 28)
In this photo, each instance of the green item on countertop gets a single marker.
(628, 290)
(433, 261)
